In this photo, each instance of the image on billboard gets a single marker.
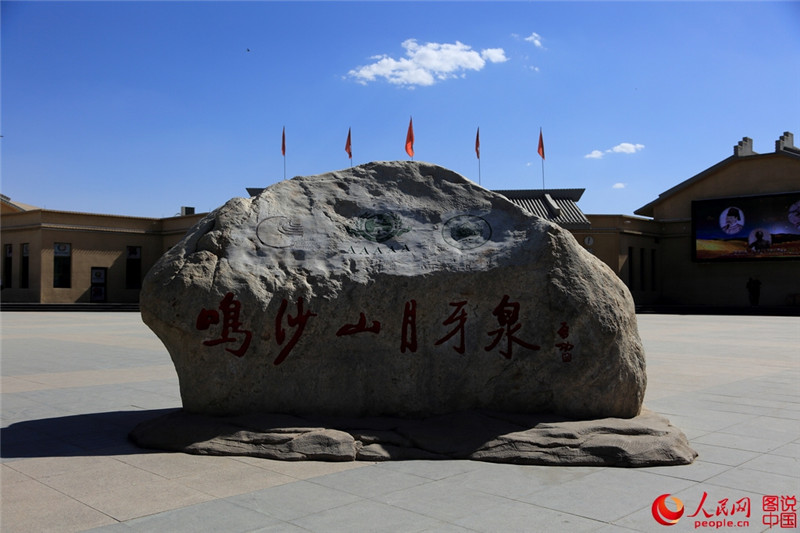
(747, 228)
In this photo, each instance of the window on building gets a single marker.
(653, 269)
(62, 265)
(630, 268)
(8, 257)
(641, 270)
(133, 267)
(24, 266)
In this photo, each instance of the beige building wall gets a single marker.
(666, 239)
(630, 247)
(721, 284)
(744, 176)
(94, 241)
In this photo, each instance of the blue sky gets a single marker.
(137, 108)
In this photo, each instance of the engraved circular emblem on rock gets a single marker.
(279, 231)
(378, 227)
(466, 232)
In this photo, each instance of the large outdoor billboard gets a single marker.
(747, 228)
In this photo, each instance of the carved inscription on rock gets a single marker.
(466, 232)
(279, 231)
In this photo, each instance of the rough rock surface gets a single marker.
(396, 289)
(645, 440)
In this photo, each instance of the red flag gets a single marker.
(347, 146)
(410, 138)
(478, 143)
(283, 141)
(541, 144)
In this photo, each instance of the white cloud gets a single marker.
(427, 63)
(618, 185)
(536, 39)
(627, 148)
(621, 148)
(494, 55)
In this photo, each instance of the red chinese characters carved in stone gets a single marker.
(458, 317)
(230, 308)
(408, 341)
(360, 327)
(507, 313)
(297, 321)
(566, 346)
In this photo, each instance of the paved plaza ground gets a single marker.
(75, 384)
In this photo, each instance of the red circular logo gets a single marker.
(664, 515)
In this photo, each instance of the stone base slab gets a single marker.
(645, 440)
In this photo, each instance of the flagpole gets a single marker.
(540, 150)
(283, 150)
(348, 147)
(410, 138)
(542, 174)
(478, 152)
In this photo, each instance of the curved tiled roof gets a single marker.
(556, 205)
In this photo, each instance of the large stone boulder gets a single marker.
(392, 288)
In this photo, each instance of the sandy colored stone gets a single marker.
(645, 440)
(347, 293)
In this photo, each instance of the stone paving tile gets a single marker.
(686, 414)
(295, 500)
(370, 482)
(85, 378)
(612, 528)
(18, 451)
(747, 479)
(740, 442)
(770, 428)
(438, 469)
(280, 528)
(214, 516)
(112, 487)
(232, 479)
(721, 454)
(446, 500)
(32, 506)
(175, 465)
(775, 464)
(518, 481)
(792, 414)
(447, 528)
(9, 476)
(41, 468)
(517, 516)
(17, 409)
(302, 469)
(788, 450)
(698, 471)
(367, 516)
